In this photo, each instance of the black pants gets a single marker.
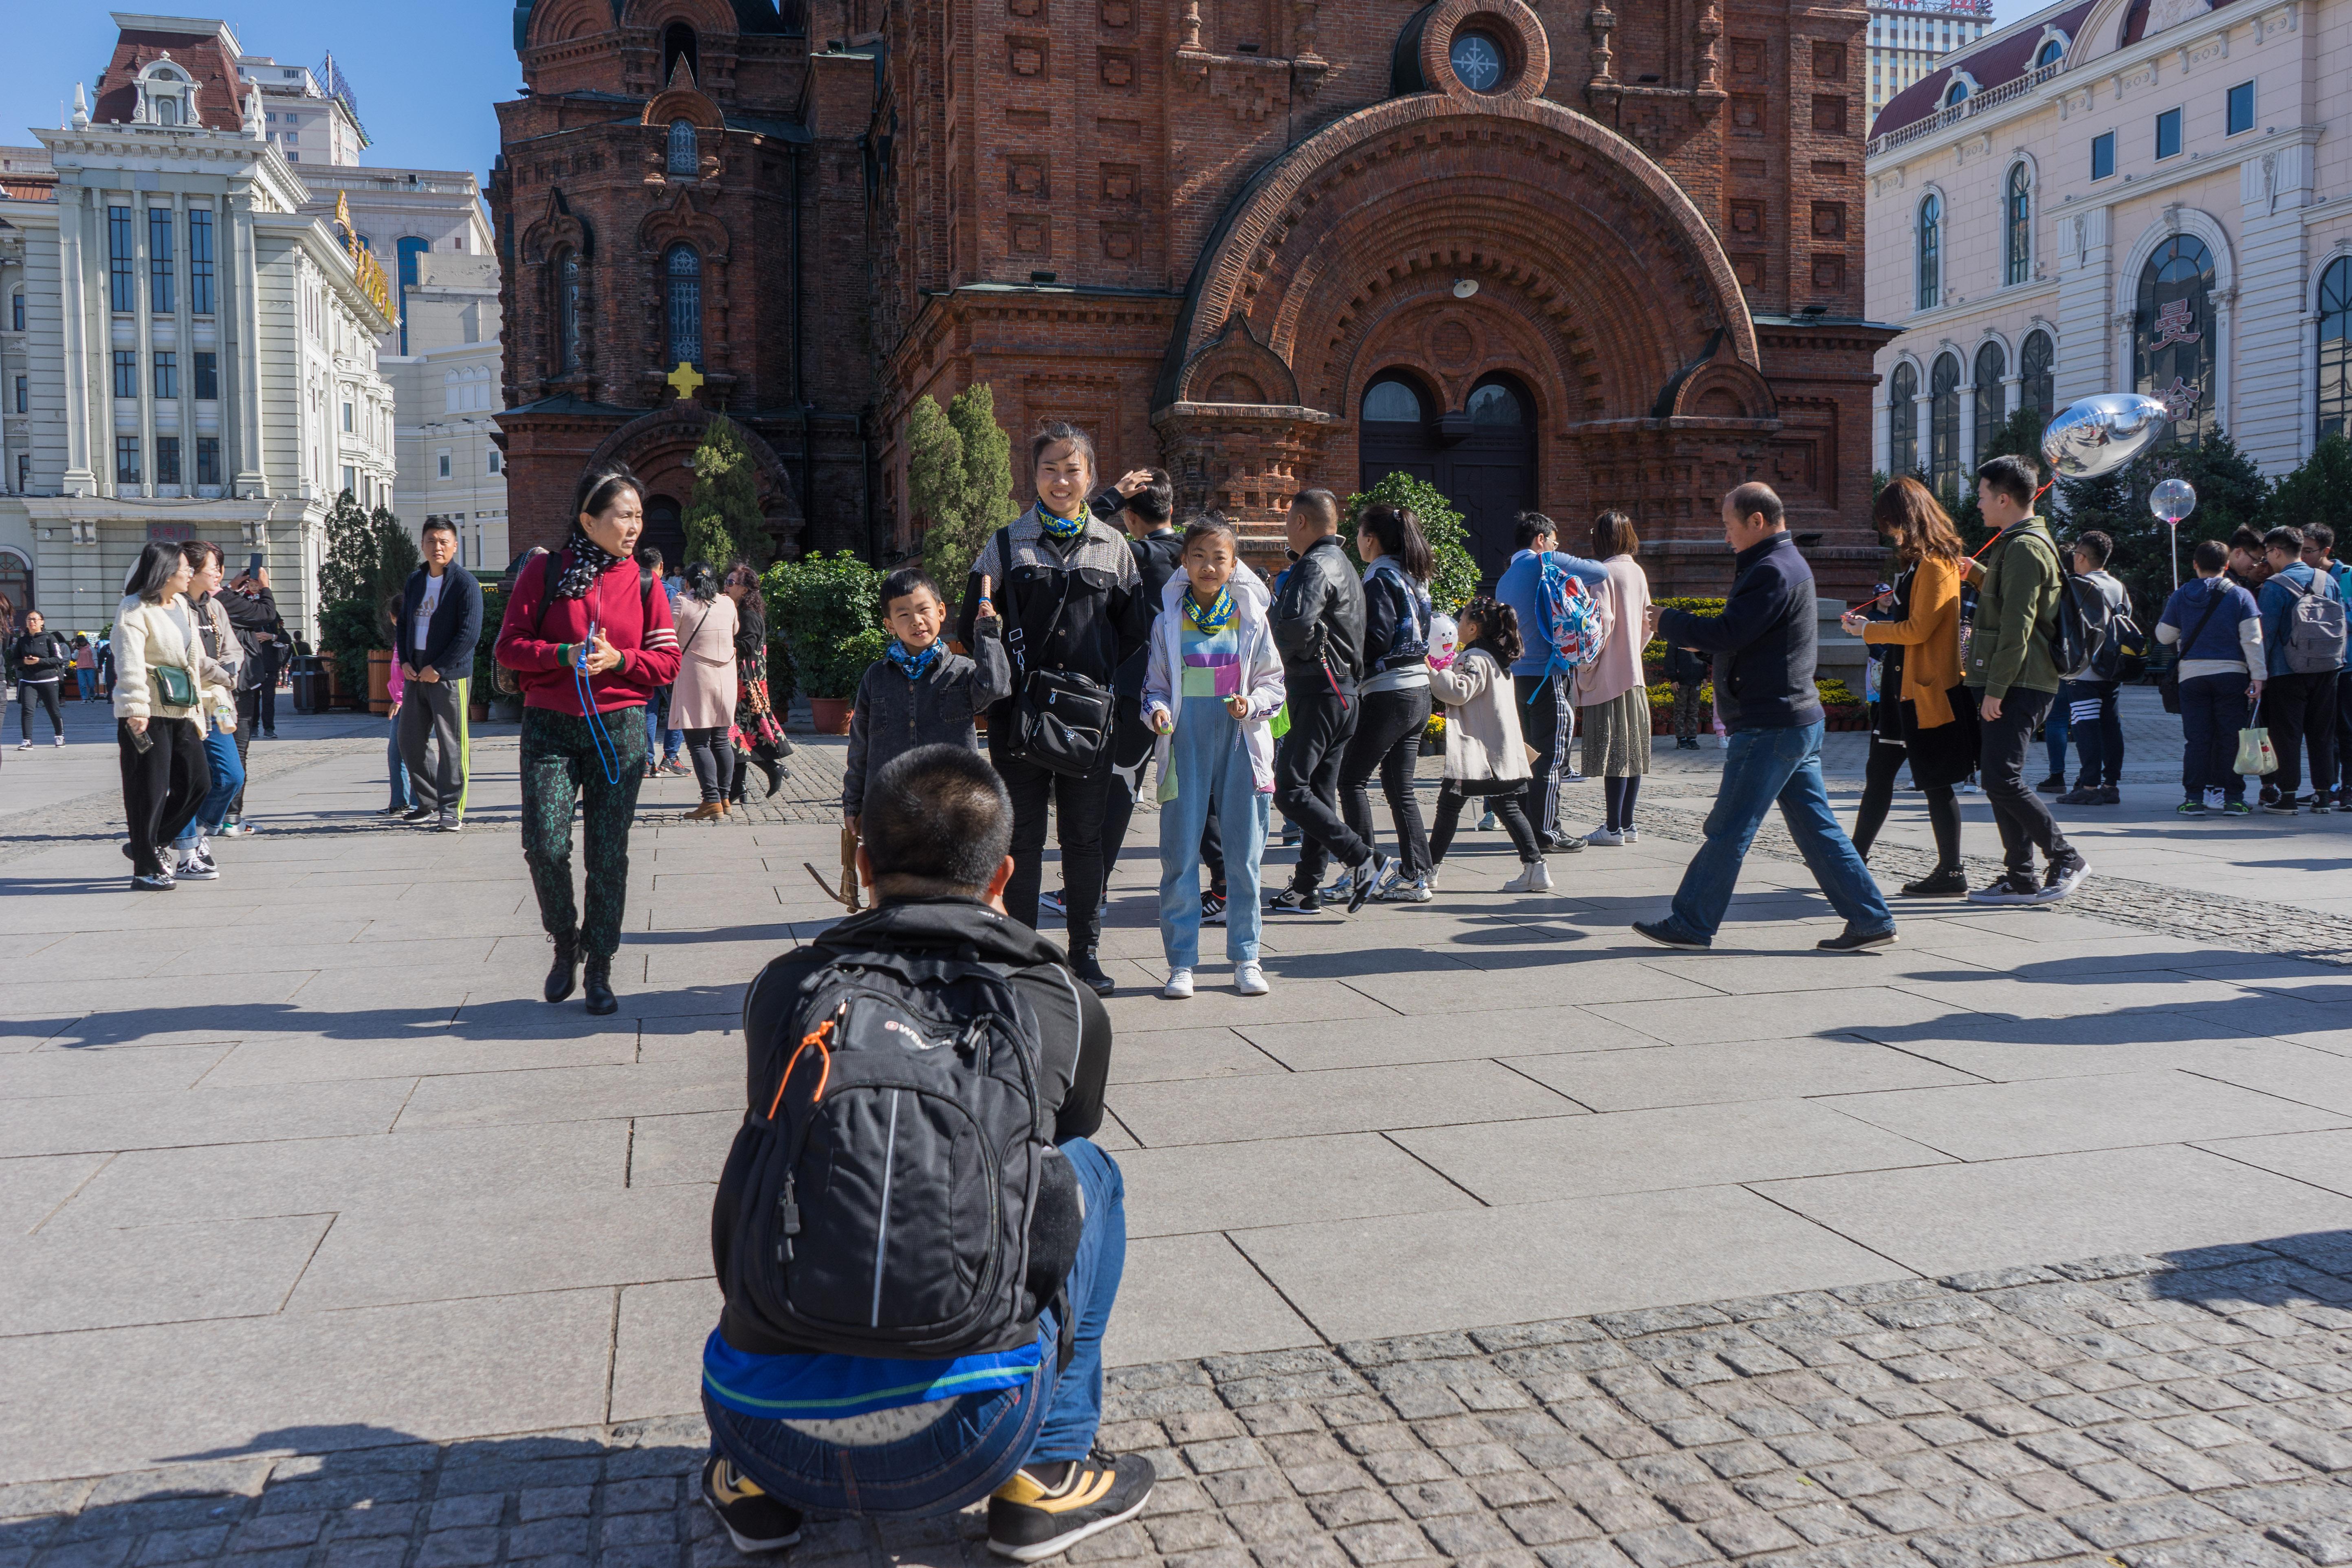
(2299, 711)
(1388, 726)
(1307, 781)
(2024, 822)
(2344, 730)
(1131, 755)
(1503, 798)
(1878, 794)
(2098, 728)
(265, 702)
(1079, 805)
(162, 786)
(45, 692)
(2212, 711)
(714, 762)
(250, 707)
(1548, 720)
(564, 760)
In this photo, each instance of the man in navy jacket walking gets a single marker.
(1764, 648)
(440, 621)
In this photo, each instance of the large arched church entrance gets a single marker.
(1481, 456)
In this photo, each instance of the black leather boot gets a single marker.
(776, 773)
(1089, 971)
(564, 972)
(601, 999)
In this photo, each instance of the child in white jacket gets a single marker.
(1214, 686)
(1486, 751)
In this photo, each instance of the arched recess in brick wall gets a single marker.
(656, 447)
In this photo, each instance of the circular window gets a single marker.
(1494, 404)
(1477, 60)
(1392, 402)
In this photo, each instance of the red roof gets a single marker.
(2001, 60)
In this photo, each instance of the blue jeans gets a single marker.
(88, 681)
(2057, 729)
(1211, 767)
(395, 768)
(975, 1447)
(228, 777)
(1760, 767)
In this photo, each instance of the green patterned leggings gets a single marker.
(559, 766)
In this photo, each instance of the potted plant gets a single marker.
(827, 610)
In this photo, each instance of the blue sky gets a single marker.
(426, 72)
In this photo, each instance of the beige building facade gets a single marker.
(445, 389)
(2150, 195)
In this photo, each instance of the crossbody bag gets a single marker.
(2168, 685)
(1061, 719)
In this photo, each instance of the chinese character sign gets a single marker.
(2175, 322)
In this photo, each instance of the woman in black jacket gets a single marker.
(1393, 699)
(38, 658)
(759, 739)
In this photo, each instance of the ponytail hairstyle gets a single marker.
(1398, 529)
(1498, 630)
(702, 580)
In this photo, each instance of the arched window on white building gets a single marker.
(1902, 420)
(2173, 336)
(2037, 376)
(1943, 427)
(1931, 252)
(1993, 364)
(2017, 212)
(2336, 348)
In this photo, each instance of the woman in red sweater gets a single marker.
(590, 639)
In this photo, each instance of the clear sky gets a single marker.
(426, 72)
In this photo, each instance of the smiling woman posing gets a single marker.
(589, 636)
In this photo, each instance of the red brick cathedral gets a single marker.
(1570, 258)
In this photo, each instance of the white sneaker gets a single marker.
(1392, 881)
(1419, 890)
(24, 745)
(1487, 823)
(1633, 835)
(2215, 800)
(1604, 837)
(1535, 876)
(1179, 985)
(1429, 878)
(196, 865)
(57, 740)
(1250, 981)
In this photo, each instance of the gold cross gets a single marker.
(686, 378)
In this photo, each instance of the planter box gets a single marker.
(380, 680)
(830, 715)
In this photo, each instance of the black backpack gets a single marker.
(893, 1174)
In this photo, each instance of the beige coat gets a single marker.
(704, 697)
(1483, 740)
(147, 634)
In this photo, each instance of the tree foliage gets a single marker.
(1455, 578)
(822, 608)
(723, 522)
(959, 481)
(2318, 491)
(369, 556)
(2018, 436)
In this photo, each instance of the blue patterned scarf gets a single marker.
(1209, 622)
(914, 666)
(1061, 529)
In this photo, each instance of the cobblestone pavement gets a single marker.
(2182, 1412)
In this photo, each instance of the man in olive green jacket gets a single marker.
(2013, 669)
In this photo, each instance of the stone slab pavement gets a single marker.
(300, 1185)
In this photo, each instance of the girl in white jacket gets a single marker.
(1486, 751)
(1214, 686)
(160, 672)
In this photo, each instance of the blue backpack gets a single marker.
(1573, 621)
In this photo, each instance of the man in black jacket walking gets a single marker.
(1319, 624)
(440, 621)
(1764, 645)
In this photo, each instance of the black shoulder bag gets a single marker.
(1061, 719)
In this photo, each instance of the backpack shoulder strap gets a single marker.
(546, 593)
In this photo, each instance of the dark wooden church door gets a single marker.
(1483, 459)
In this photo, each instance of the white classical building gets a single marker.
(2149, 195)
(199, 355)
(446, 388)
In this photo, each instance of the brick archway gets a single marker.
(656, 447)
(1592, 277)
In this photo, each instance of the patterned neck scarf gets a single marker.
(589, 561)
(1061, 529)
(914, 666)
(1216, 617)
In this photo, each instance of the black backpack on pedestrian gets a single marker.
(893, 1172)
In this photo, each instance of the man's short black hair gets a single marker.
(907, 580)
(1155, 502)
(1528, 527)
(2094, 547)
(2319, 533)
(1754, 497)
(2248, 537)
(2212, 556)
(2287, 538)
(650, 557)
(438, 525)
(2011, 477)
(937, 821)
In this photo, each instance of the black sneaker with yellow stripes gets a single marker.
(1048, 1509)
(756, 1522)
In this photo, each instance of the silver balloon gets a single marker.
(2102, 434)
(2173, 500)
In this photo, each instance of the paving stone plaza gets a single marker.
(1490, 1235)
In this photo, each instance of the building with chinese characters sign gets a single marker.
(2142, 195)
(1564, 257)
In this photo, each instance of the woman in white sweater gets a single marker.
(160, 670)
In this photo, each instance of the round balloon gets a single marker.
(2101, 434)
(2173, 500)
